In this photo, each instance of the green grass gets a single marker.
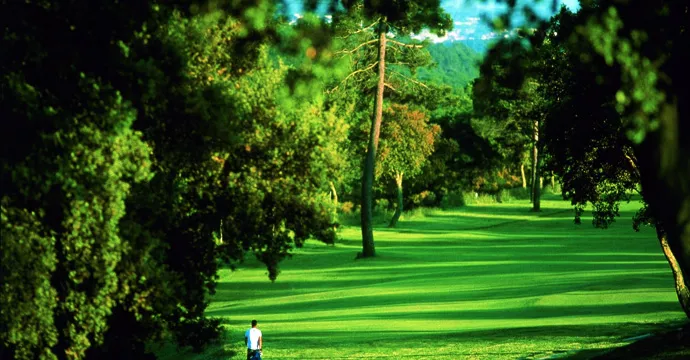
(487, 281)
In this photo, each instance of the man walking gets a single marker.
(252, 338)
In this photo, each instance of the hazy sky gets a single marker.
(467, 13)
(461, 9)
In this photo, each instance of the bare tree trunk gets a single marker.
(680, 283)
(368, 249)
(221, 231)
(524, 178)
(399, 207)
(536, 181)
(334, 194)
(553, 182)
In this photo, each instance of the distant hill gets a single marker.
(457, 65)
(478, 45)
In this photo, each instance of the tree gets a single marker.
(619, 115)
(455, 65)
(647, 67)
(648, 59)
(511, 115)
(401, 17)
(407, 140)
(118, 164)
(70, 157)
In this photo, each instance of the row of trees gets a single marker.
(184, 138)
(131, 130)
(599, 93)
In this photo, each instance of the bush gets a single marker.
(424, 198)
(474, 198)
(517, 193)
(381, 205)
(347, 207)
(452, 199)
(430, 199)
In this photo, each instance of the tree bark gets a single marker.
(664, 166)
(399, 207)
(553, 182)
(680, 283)
(368, 249)
(524, 178)
(536, 188)
(334, 193)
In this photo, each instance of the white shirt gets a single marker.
(253, 336)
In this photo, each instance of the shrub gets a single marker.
(424, 198)
(452, 199)
(517, 193)
(347, 207)
(382, 205)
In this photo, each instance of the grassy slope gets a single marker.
(482, 282)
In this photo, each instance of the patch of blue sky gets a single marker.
(468, 16)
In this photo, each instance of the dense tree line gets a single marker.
(131, 131)
(615, 114)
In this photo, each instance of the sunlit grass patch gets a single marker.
(487, 281)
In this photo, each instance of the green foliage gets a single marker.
(619, 67)
(70, 157)
(406, 141)
(455, 65)
(452, 199)
(460, 153)
(287, 155)
(29, 327)
(408, 16)
(120, 162)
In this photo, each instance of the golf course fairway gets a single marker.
(479, 282)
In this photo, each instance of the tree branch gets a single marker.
(411, 46)
(392, 72)
(360, 30)
(371, 66)
(400, 63)
(633, 164)
(357, 47)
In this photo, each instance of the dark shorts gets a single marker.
(253, 354)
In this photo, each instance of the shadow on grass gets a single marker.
(518, 313)
(483, 344)
(486, 217)
(666, 345)
(505, 263)
(384, 292)
(502, 334)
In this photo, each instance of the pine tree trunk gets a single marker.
(368, 249)
(524, 178)
(536, 188)
(680, 283)
(398, 209)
